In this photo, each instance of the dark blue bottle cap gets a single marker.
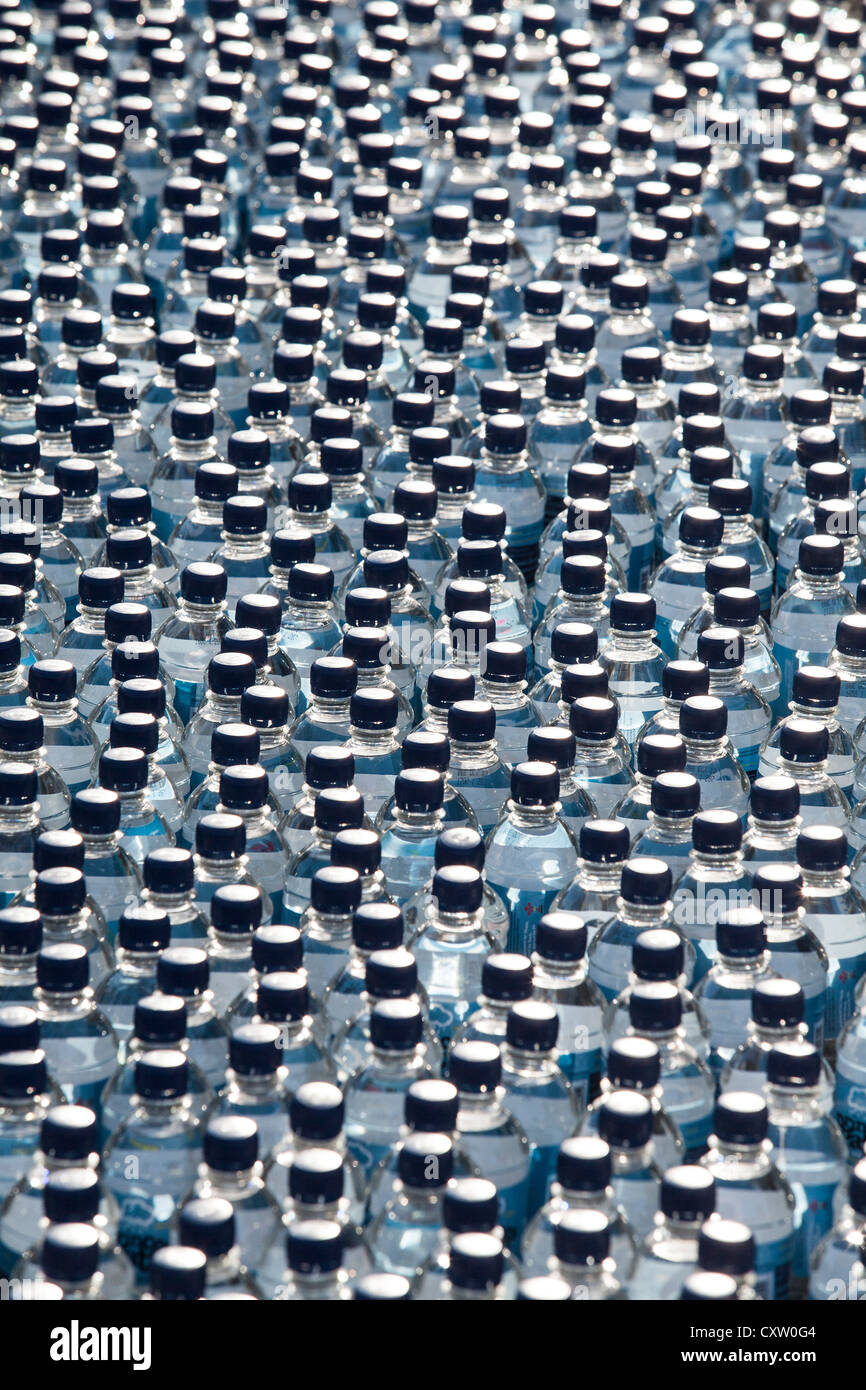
(231, 1143)
(634, 1064)
(385, 531)
(604, 842)
(396, 1025)
(38, 494)
(740, 1117)
(360, 850)
(419, 790)
(311, 583)
(374, 708)
(99, 587)
(236, 909)
(70, 1252)
(22, 730)
(535, 784)
(552, 744)
(264, 707)
(231, 673)
(391, 974)
(95, 811)
(243, 787)
(458, 888)
(333, 677)
(593, 718)
(721, 648)
(59, 892)
(655, 1007)
(483, 521)
(160, 1020)
(207, 1224)
(183, 970)
(470, 1204)
(581, 1237)
(574, 643)
(675, 795)
(561, 937)
(658, 955)
(169, 870)
(778, 1004)
(191, 421)
(625, 1120)
(583, 1164)
(377, 927)
(821, 556)
(386, 569)
(774, 799)
(717, 832)
(632, 613)
(414, 410)
(709, 1287)
(63, 968)
(476, 1261)
(703, 717)
(367, 647)
(475, 1067)
(701, 527)
(19, 1029)
(851, 635)
(316, 1177)
(658, 753)
(726, 1248)
(414, 1161)
(476, 561)
(459, 845)
(143, 929)
(822, 849)
(315, 1247)
(532, 1026)
(804, 741)
(504, 662)
(203, 583)
(338, 808)
(58, 849)
(426, 750)
(506, 976)
(134, 731)
(794, 1064)
(646, 881)
(18, 784)
(688, 1193)
(381, 1288)
(277, 948)
(504, 433)
(335, 891)
(857, 1188)
(316, 1112)
(255, 1048)
(741, 932)
(329, 765)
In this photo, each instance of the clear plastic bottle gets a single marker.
(750, 1188)
(375, 1093)
(670, 1251)
(795, 951)
(835, 1261)
(79, 1042)
(163, 1118)
(808, 1148)
(536, 1091)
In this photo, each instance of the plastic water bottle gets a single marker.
(836, 913)
(670, 1251)
(750, 1187)
(159, 1022)
(536, 1091)
(67, 1140)
(834, 1261)
(163, 1113)
(658, 956)
(375, 1093)
(808, 1147)
(725, 991)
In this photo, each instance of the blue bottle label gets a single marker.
(813, 1219)
(525, 906)
(850, 1110)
